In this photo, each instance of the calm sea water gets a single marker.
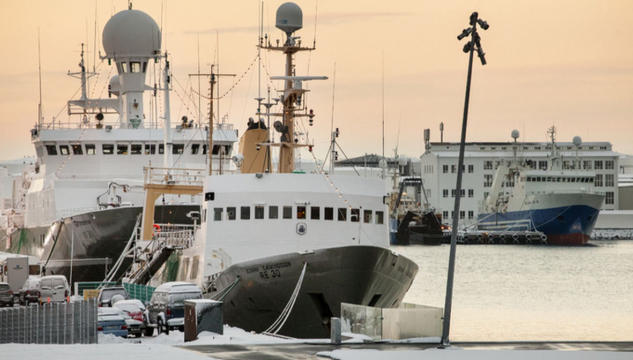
(504, 293)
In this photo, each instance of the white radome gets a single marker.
(131, 32)
(289, 17)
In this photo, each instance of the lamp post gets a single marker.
(470, 47)
(72, 249)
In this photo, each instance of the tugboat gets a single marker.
(284, 249)
(561, 203)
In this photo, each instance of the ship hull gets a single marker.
(364, 275)
(571, 224)
(97, 240)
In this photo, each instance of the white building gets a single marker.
(439, 171)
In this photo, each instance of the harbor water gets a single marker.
(531, 293)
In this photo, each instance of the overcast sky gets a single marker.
(564, 63)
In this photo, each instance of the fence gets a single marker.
(59, 323)
(140, 292)
(404, 322)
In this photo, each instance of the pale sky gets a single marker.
(564, 63)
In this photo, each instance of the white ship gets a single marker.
(82, 201)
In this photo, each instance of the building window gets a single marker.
(471, 214)
(462, 214)
(91, 149)
(586, 164)
(217, 214)
(453, 169)
(245, 213)
(488, 165)
(471, 169)
(486, 194)
(342, 214)
(445, 193)
(609, 165)
(609, 180)
(462, 192)
(273, 212)
(452, 192)
(328, 213)
(542, 165)
(259, 212)
(609, 198)
(566, 164)
(444, 214)
(287, 212)
(452, 214)
(598, 181)
(487, 180)
(301, 212)
(315, 212)
(471, 193)
(445, 169)
(598, 164)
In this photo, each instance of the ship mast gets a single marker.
(289, 19)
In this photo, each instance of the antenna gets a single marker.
(39, 64)
(332, 124)
(383, 111)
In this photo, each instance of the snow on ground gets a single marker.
(437, 354)
(169, 347)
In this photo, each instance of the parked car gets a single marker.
(111, 323)
(134, 327)
(6, 295)
(106, 294)
(54, 288)
(167, 307)
(30, 291)
(135, 310)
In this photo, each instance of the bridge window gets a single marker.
(91, 149)
(161, 149)
(315, 212)
(301, 212)
(150, 149)
(195, 148)
(121, 149)
(124, 67)
(107, 149)
(137, 149)
(64, 150)
(259, 212)
(217, 214)
(328, 213)
(51, 149)
(273, 212)
(287, 212)
(245, 213)
(178, 149)
(355, 217)
(230, 213)
(367, 217)
(380, 217)
(77, 150)
(135, 67)
(342, 214)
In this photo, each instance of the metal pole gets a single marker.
(72, 249)
(458, 190)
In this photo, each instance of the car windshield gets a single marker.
(109, 293)
(179, 299)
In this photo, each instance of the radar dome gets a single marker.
(115, 85)
(289, 18)
(577, 140)
(131, 32)
(515, 134)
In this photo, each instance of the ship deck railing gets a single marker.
(175, 176)
(109, 125)
(172, 236)
(565, 191)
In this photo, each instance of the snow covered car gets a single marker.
(30, 291)
(106, 294)
(6, 295)
(167, 307)
(135, 310)
(109, 322)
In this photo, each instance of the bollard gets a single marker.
(335, 331)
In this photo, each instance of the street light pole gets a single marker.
(72, 250)
(470, 47)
